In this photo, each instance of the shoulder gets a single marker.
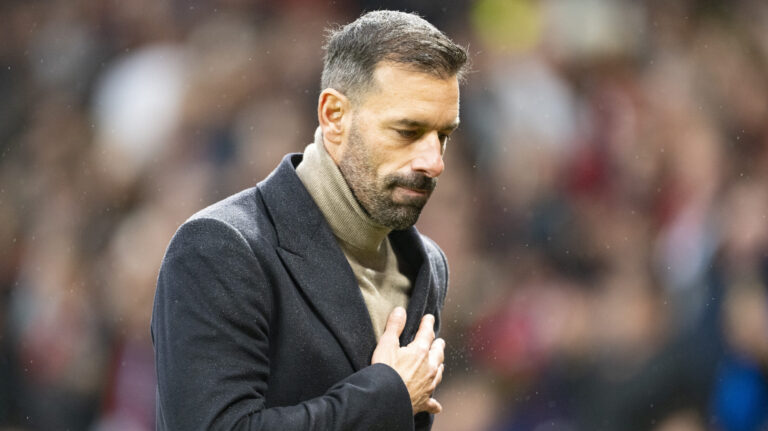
(226, 247)
(244, 211)
(241, 218)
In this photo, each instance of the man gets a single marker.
(309, 302)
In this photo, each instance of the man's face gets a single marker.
(393, 153)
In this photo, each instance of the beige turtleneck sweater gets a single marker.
(363, 241)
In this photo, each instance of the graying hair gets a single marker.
(353, 51)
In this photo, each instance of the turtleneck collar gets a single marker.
(332, 194)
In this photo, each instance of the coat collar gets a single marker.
(312, 255)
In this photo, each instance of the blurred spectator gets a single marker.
(740, 396)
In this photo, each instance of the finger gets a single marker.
(438, 376)
(426, 333)
(395, 324)
(437, 352)
(433, 406)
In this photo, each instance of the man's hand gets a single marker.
(420, 364)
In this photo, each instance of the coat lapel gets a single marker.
(312, 255)
(408, 245)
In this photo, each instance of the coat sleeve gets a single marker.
(210, 329)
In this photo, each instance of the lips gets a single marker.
(417, 183)
(415, 191)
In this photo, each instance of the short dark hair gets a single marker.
(353, 51)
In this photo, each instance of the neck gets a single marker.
(346, 217)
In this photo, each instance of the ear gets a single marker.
(334, 115)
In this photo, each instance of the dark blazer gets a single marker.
(259, 323)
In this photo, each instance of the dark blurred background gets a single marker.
(604, 208)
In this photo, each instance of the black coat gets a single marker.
(259, 322)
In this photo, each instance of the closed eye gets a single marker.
(408, 134)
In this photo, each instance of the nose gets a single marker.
(429, 156)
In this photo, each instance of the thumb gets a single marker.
(395, 323)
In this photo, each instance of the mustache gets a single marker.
(414, 181)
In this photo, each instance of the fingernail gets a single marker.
(399, 312)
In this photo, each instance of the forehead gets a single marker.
(401, 93)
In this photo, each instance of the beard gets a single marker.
(375, 194)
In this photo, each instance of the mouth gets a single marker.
(410, 197)
(413, 192)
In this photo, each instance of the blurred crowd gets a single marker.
(604, 207)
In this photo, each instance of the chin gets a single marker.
(405, 217)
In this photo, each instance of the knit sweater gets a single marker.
(363, 241)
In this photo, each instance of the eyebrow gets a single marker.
(422, 125)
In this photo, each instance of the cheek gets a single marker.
(386, 155)
(388, 168)
(393, 160)
(378, 159)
